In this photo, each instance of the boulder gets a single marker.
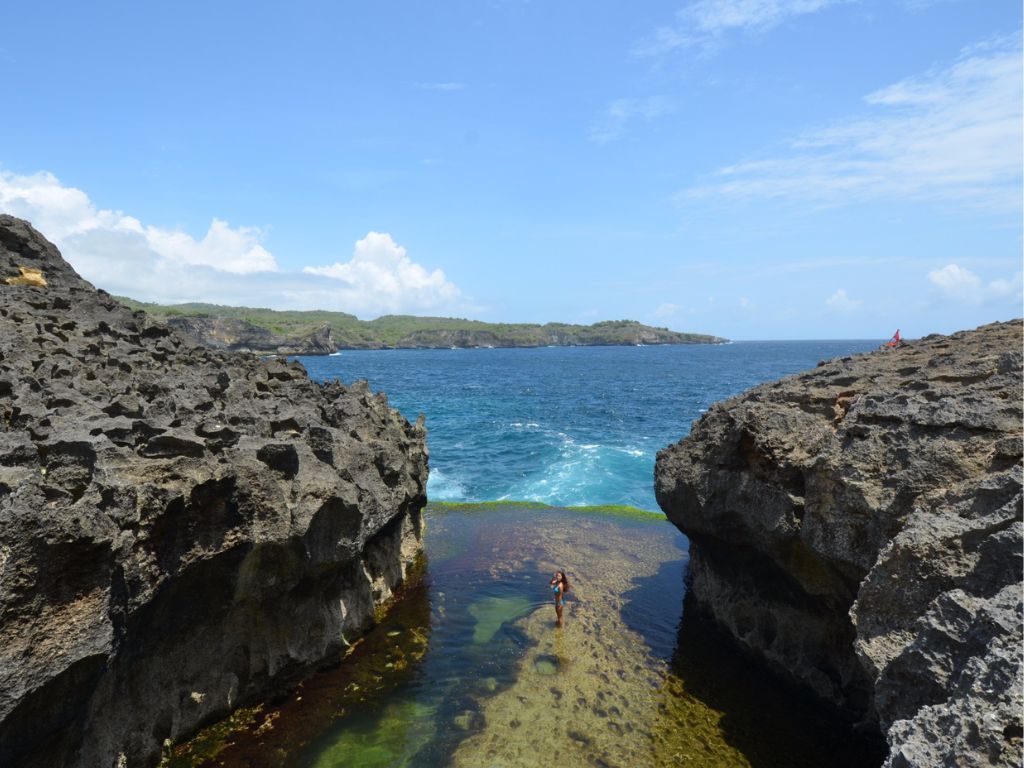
(859, 527)
(182, 531)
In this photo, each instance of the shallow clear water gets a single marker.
(469, 670)
(567, 426)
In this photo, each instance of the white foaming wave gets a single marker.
(579, 476)
(634, 452)
(440, 487)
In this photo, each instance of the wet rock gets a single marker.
(860, 527)
(162, 557)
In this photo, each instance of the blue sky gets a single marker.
(749, 168)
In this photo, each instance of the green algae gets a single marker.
(621, 511)
(492, 612)
(212, 740)
(402, 727)
(469, 670)
(273, 736)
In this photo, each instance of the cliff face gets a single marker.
(859, 526)
(239, 336)
(180, 531)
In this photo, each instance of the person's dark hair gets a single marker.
(565, 581)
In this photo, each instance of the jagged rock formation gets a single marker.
(240, 336)
(180, 530)
(859, 526)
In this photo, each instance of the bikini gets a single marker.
(556, 588)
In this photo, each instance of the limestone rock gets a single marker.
(241, 336)
(859, 527)
(181, 531)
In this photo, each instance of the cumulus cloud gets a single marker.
(621, 112)
(952, 134)
(704, 23)
(67, 216)
(381, 278)
(840, 302)
(962, 286)
(229, 250)
(227, 265)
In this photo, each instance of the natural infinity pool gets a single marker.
(468, 669)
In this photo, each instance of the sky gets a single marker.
(755, 169)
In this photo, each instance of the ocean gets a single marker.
(565, 426)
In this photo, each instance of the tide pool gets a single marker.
(468, 669)
(566, 426)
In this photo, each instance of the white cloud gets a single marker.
(620, 112)
(962, 286)
(228, 265)
(223, 248)
(704, 23)
(381, 278)
(68, 217)
(952, 134)
(840, 302)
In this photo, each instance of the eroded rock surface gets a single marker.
(180, 530)
(859, 526)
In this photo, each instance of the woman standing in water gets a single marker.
(559, 586)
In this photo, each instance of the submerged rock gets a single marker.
(181, 531)
(859, 526)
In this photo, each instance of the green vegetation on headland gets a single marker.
(318, 332)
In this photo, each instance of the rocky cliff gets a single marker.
(180, 530)
(236, 335)
(859, 526)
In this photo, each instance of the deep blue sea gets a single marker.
(566, 426)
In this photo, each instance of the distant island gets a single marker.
(248, 329)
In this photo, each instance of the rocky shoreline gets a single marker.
(859, 527)
(181, 531)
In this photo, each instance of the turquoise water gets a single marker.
(566, 426)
